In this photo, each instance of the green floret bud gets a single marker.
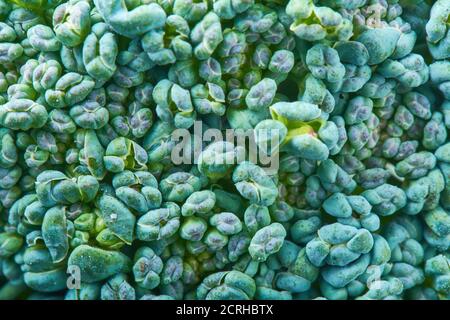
(267, 241)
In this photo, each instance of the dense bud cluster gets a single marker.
(94, 206)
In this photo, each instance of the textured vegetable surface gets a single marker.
(99, 200)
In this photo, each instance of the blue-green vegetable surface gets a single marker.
(93, 205)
